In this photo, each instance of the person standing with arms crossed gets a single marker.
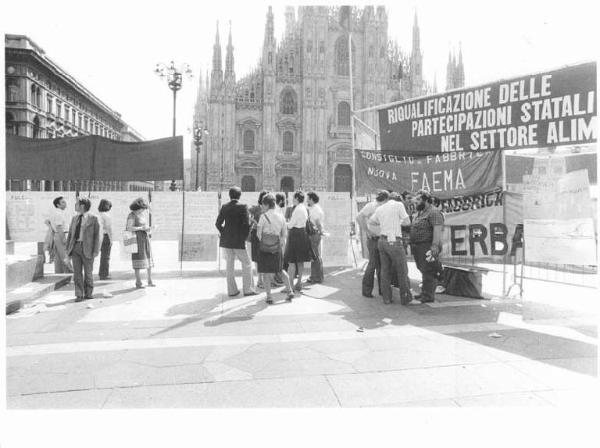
(316, 217)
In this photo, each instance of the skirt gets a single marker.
(269, 263)
(298, 249)
(143, 258)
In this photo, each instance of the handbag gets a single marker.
(130, 242)
(311, 229)
(269, 242)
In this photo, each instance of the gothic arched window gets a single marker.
(288, 141)
(288, 105)
(341, 56)
(36, 127)
(248, 140)
(343, 113)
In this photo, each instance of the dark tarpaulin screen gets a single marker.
(94, 158)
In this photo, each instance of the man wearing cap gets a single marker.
(390, 216)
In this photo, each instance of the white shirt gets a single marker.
(316, 216)
(106, 224)
(366, 212)
(275, 227)
(58, 217)
(390, 216)
(298, 218)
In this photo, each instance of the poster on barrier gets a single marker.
(564, 241)
(26, 212)
(201, 236)
(167, 215)
(335, 244)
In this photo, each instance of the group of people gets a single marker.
(74, 246)
(391, 230)
(281, 240)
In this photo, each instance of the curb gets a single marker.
(25, 294)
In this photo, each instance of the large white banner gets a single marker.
(26, 212)
(335, 246)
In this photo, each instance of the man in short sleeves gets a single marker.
(425, 236)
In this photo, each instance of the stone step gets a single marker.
(23, 269)
(25, 294)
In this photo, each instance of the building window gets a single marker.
(36, 127)
(12, 90)
(38, 94)
(382, 52)
(288, 104)
(287, 184)
(80, 121)
(371, 51)
(343, 113)
(309, 46)
(248, 140)
(67, 114)
(49, 104)
(341, 56)
(321, 47)
(288, 141)
(270, 58)
(33, 95)
(12, 127)
(248, 183)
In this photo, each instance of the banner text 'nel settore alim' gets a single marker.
(547, 109)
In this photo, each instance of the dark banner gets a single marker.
(444, 175)
(93, 158)
(547, 109)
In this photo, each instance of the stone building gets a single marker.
(44, 101)
(287, 123)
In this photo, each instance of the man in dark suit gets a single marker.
(83, 245)
(233, 224)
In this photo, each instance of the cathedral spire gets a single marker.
(216, 77)
(416, 43)
(269, 28)
(229, 67)
(460, 70)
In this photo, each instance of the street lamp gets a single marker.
(199, 131)
(174, 76)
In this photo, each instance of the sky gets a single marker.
(112, 46)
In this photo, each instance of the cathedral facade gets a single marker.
(287, 124)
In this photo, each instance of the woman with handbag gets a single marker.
(271, 233)
(138, 222)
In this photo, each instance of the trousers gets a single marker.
(316, 267)
(393, 260)
(83, 272)
(428, 269)
(104, 256)
(373, 267)
(247, 277)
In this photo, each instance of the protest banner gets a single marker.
(337, 209)
(475, 227)
(444, 175)
(546, 109)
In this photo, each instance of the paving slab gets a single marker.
(85, 399)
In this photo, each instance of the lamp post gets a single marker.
(174, 76)
(199, 131)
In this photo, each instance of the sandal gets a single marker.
(269, 301)
(139, 286)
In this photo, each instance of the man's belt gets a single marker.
(385, 237)
(374, 238)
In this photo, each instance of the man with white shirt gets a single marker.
(390, 216)
(316, 216)
(58, 226)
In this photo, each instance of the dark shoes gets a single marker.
(421, 298)
(139, 286)
(234, 294)
(310, 280)
(79, 299)
(252, 293)
(370, 296)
